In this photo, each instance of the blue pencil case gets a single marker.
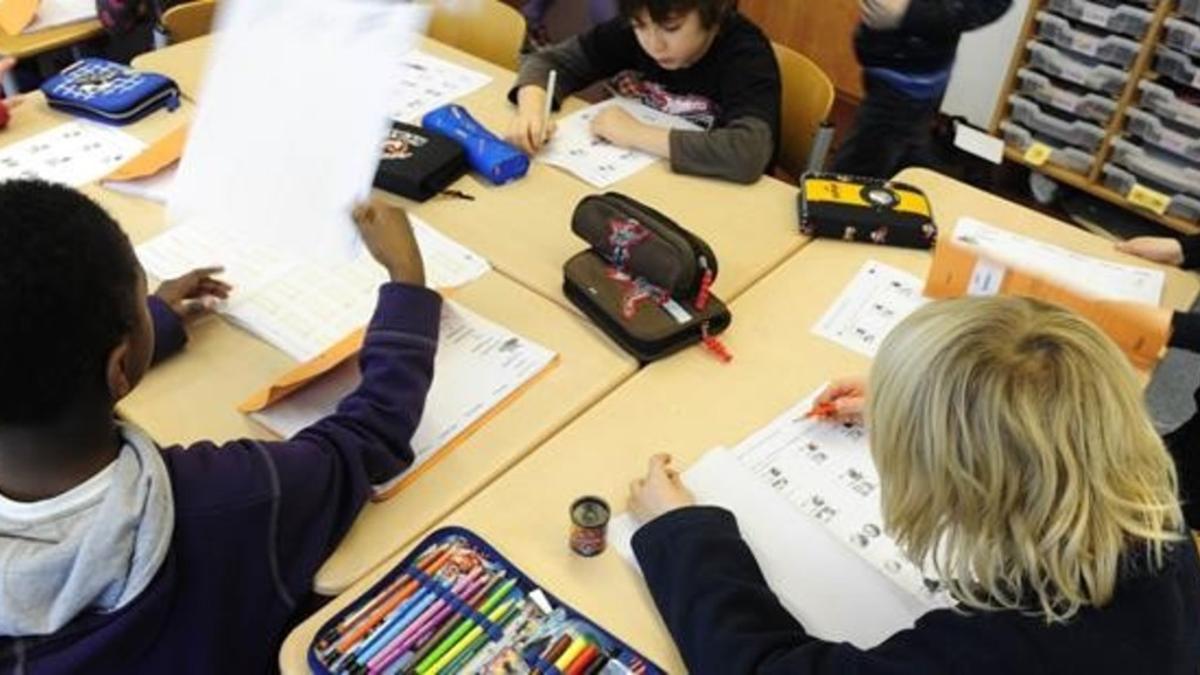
(109, 92)
(491, 157)
(455, 605)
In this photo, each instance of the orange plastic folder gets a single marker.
(161, 154)
(333, 364)
(16, 15)
(1140, 330)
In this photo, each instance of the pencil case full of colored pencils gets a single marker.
(455, 605)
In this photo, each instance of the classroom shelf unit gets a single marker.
(1104, 96)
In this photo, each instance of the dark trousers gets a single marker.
(1184, 444)
(892, 131)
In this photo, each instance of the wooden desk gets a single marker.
(193, 397)
(685, 406)
(524, 228)
(32, 44)
(35, 116)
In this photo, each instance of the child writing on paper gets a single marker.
(907, 50)
(1184, 442)
(698, 59)
(118, 556)
(1016, 457)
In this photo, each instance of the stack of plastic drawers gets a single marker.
(1068, 90)
(1156, 163)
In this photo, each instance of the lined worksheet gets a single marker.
(879, 297)
(423, 83)
(301, 307)
(478, 365)
(53, 13)
(75, 153)
(575, 149)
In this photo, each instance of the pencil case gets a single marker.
(867, 210)
(109, 92)
(645, 281)
(456, 605)
(489, 156)
(418, 163)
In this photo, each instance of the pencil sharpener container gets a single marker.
(589, 526)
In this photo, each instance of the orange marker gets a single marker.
(823, 411)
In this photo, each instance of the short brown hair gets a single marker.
(712, 12)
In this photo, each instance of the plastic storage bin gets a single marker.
(1078, 69)
(1108, 48)
(1081, 103)
(1176, 67)
(1190, 9)
(1182, 35)
(1073, 132)
(1123, 182)
(1120, 18)
(1168, 105)
(1062, 156)
(1148, 127)
(1162, 173)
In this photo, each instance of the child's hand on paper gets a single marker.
(844, 400)
(1165, 250)
(389, 237)
(883, 14)
(530, 130)
(659, 492)
(194, 293)
(616, 126)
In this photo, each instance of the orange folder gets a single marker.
(16, 15)
(158, 156)
(1140, 330)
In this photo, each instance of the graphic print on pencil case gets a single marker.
(400, 143)
(623, 235)
(694, 108)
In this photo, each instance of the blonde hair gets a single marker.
(1016, 455)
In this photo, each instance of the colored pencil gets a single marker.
(577, 645)
(480, 640)
(380, 612)
(466, 639)
(464, 627)
(589, 654)
(433, 635)
(398, 642)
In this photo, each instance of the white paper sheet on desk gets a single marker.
(301, 307)
(878, 298)
(53, 13)
(155, 187)
(74, 153)
(287, 137)
(478, 365)
(1098, 278)
(834, 593)
(575, 149)
(424, 83)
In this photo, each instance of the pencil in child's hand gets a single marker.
(551, 85)
(822, 411)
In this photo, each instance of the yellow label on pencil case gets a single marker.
(1038, 153)
(1148, 199)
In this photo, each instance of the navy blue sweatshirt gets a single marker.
(726, 621)
(927, 39)
(254, 520)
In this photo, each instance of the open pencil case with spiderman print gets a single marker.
(645, 281)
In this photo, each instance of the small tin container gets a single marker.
(589, 526)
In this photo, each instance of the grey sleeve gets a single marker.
(739, 152)
(575, 70)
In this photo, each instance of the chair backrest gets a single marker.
(808, 95)
(489, 29)
(189, 20)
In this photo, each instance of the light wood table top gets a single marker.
(32, 44)
(524, 228)
(193, 397)
(687, 405)
(34, 116)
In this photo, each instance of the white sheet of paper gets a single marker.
(978, 143)
(156, 187)
(301, 307)
(52, 13)
(287, 137)
(424, 82)
(878, 298)
(1096, 277)
(575, 149)
(835, 594)
(74, 154)
(478, 365)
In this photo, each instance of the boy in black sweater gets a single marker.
(906, 49)
(1017, 459)
(698, 59)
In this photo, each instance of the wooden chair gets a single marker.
(489, 29)
(188, 21)
(807, 101)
